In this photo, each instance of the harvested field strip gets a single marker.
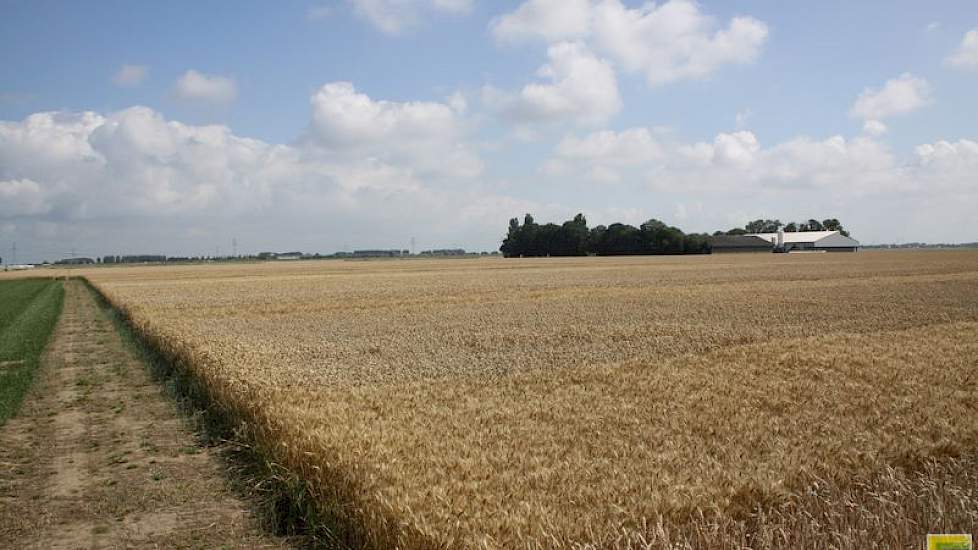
(29, 310)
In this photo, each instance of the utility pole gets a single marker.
(13, 254)
(234, 247)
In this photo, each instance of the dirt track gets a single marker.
(99, 458)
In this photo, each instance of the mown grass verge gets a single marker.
(282, 498)
(29, 310)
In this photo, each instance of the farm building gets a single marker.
(289, 256)
(379, 253)
(75, 261)
(830, 241)
(738, 243)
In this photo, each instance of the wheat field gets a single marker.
(726, 401)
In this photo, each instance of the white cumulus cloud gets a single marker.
(666, 42)
(738, 163)
(428, 136)
(606, 153)
(930, 194)
(195, 85)
(394, 16)
(675, 40)
(581, 87)
(629, 147)
(953, 163)
(551, 20)
(22, 197)
(898, 96)
(874, 128)
(966, 56)
(364, 171)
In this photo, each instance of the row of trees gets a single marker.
(574, 238)
(772, 226)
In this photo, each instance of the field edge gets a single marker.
(286, 502)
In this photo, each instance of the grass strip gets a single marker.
(29, 310)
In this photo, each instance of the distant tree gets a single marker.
(763, 226)
(573, 238)
(595, 237)
(737, 231)
(546, 240)
(771, 226)
(527, 237)
(833, 224)
(659, 238)
(697, 243)
(510, 244)
(755, 226)
(812, 225)
(619, 239)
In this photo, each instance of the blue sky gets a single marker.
(233, 120)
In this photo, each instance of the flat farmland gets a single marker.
(755, 400)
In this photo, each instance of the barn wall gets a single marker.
(837, 241)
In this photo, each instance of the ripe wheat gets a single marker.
(756, 401)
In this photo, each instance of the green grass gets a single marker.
(29, 309)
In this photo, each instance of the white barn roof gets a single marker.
(821, 239)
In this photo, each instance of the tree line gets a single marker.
(772, 226)
(574, 238)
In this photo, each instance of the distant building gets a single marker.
(444, 252)
(143, 259)
(289, 256)
(75, 261)
(799, 241)
(379, 253)
(134, 259)
(738, 243)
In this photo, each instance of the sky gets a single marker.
(178, 127)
